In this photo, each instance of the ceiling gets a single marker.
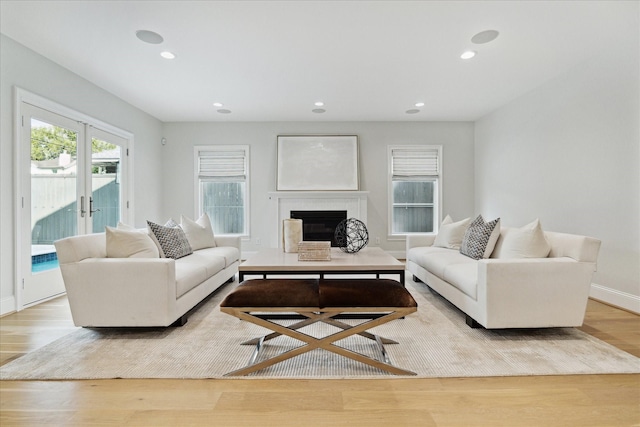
(271, 60)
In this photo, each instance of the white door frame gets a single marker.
(22, 96)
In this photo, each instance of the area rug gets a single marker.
(433, 342)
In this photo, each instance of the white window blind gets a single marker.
(414, 162)
(222, 164)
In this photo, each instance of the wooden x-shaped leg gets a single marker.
(313, 317)
(326, 343)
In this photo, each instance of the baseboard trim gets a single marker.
(616, 298)
(7, 306)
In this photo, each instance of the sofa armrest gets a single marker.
(534, 291)
(580, 248)
(121, 291)
(417, 240)
(233, 241)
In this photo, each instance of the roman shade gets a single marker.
(222, 163)
(415, 162)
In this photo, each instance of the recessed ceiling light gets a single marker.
(318, 110)
(149, 36)
(419, 104)
(224, 111)
(319, 104)
(468, 54)
(167, 55)
(485, 37)
(217, 104)
(412, 111)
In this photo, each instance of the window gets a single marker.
(222, 185)
(414, 188)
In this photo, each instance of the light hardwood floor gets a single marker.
(582, 400)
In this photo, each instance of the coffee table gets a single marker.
(369, 260)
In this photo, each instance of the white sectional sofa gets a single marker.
(140, 291)
(549, 291)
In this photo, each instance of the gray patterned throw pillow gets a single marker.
(479, 237)
(172, 240)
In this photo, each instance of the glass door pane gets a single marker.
(50, 186)
(54, 189)
(105, 202)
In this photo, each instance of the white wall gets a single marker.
(569, 153)
(28, 70)
(373, 137)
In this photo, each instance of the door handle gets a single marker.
(91, 210)
(82, 210)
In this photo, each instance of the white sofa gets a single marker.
(511, 293)
(140, 291)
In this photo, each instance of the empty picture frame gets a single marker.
(317, 163)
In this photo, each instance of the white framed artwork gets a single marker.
(317, 163)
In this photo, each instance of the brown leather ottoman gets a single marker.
(320, 300)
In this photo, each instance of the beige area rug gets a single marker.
(434, 342)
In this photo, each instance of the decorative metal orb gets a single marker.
(351, 235)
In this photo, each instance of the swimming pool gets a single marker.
(44, 262)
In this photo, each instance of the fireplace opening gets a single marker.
(319, 226)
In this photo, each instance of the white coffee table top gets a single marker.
(367, 259)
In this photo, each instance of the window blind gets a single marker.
(222, 164)
(414, 162)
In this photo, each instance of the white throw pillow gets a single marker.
(451, 233)
(525, 242)
(123, 226)
(199, 233)
(129, 244)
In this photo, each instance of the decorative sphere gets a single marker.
(351, 235)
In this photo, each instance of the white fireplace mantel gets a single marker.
(283, 202)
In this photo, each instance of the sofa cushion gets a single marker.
(451, 233)
(190, 273)
(418, 254)
(122, 243)
(436, 260)
(480, 238)
(525, 242)
(199, 232)
(212, 264)
(228, 253)
(463, 276)
(172, 240)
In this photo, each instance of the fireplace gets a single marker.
(282, 203)
(319, 225)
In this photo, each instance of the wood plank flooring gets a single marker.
(581, 400)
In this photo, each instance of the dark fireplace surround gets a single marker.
(318, 226)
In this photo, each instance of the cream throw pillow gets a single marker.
(524, 242)
(451, 233)
(199, 233)
(129, 244)
(127, 227)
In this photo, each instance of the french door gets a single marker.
(71, 182)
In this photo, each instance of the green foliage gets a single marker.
(51, 141)
(98, 145)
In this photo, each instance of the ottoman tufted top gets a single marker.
(319, 293)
